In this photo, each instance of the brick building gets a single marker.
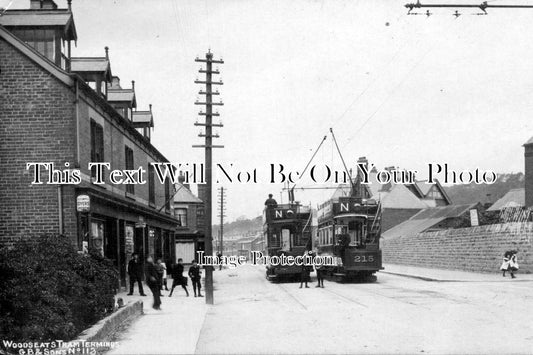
(66, 111)
(190, 212)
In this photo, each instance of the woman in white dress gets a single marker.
(510, 263)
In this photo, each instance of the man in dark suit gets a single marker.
(196, 275)
(270, 202)
(135, 271)
(177, 278)
(153, 282)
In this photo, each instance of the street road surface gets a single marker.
(394, 315)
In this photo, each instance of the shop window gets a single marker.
(97, 235)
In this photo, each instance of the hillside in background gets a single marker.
(242, 226)
(472, 193)
(459, 194)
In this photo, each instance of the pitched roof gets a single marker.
(530, 141)
(400, 197)
(427, 218)
(184, 195)
(142, 118)
(41, 18)
(89, 64)
(120, 95)
(423, 187)
(513, 198)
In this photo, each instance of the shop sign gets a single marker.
(83, 203)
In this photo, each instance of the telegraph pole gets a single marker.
(222, 209)
(208, 146)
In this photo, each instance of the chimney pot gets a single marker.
(106, 52)
(133, 85)
(69, 2)
(150, 107)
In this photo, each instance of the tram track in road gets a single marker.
(346, 298)
(395, 298)
(291, 296)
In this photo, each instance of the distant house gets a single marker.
(399, 202)
(190, 233)
(430, 219)
(513, 198)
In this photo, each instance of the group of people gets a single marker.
(156, 277)
(305, 276)
(510, 263)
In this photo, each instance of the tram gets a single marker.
(287, 229)
(349, 230)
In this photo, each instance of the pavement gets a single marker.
(431, 274)
(172, 330)
(400, 313)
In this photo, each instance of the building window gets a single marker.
(128, 152)
(167, 194)
(181, 215)
(42, 40)
(97, 145)
(151, 184)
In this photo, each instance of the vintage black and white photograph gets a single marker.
(266, 177)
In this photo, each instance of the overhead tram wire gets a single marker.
(309, 162)
(352, 185)
(391, 93)
(371, 83)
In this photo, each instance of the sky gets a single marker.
(401, 90)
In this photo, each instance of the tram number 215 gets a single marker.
(363, 258)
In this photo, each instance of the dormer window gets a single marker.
(45, 28)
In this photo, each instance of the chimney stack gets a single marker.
(181, 180)
(528, 172)
(69, 2)
(106, 52)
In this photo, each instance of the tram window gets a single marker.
(340, 229)
(285, 239)
(357, 233)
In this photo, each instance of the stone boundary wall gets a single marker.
(478, 249)
(102, 331)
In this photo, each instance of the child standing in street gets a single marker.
(196, 275)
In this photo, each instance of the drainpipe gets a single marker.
(77, 104)
(60, 207)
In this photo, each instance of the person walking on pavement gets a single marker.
(160, 272)
(152, 282)
(320, 275)
(305, 274)
(135, 272)
(178, 278)
(196, 275)
(219, 256)
(510, 263)
(164, 278)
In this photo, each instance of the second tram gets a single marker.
(287, 229)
